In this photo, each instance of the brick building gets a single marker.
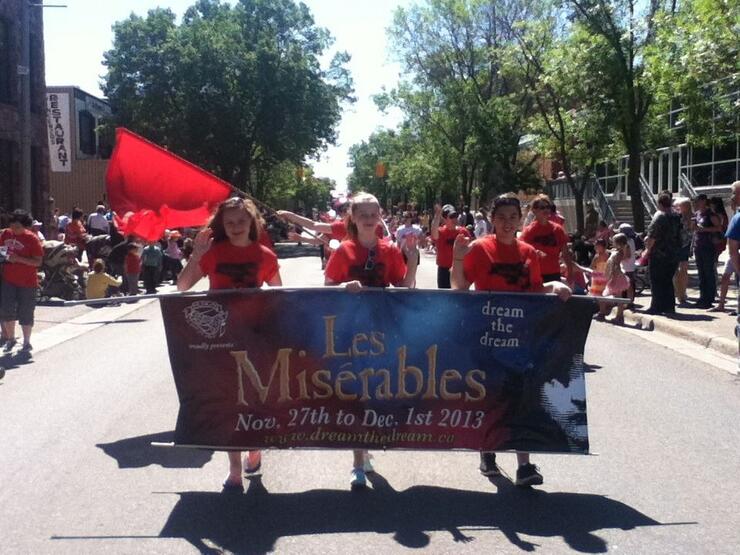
(10, 104)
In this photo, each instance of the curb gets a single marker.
(717, 343)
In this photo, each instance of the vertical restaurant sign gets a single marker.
(59, 131)
(407, 369)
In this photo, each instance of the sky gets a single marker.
(76, 36)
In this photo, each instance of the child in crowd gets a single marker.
(363, 260)
(617, 283)
(132, 268)
(229, 253)
(478, 263)
(100, 284)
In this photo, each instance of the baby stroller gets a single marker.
(61, 273)
(642, 274)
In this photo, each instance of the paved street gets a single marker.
(78, 473)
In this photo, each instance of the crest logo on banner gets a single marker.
(207, 318)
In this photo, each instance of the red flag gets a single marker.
(154, 189)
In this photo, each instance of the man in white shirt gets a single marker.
(97, 223)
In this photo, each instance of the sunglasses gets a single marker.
(541, 206)
(370, 262)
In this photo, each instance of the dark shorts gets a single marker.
(684, 253)
(443, 278)
(18, 303)
(550, 277)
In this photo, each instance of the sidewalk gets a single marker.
(713, 330)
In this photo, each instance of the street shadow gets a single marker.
(121, 321)
(685, 317)
(254, 521)
(287, 250)
(13, 361)
(591, 367)
(138, 452)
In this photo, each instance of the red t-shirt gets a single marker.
(493, 266)
(231, 267)
(133, 264)
(444, 244)
(266, 240)
(74, 234)
(27, 245)
(349, 261)
(548, 238)
(339, 230)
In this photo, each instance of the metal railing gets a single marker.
(595, 192)
(687, 189)
(648, 199)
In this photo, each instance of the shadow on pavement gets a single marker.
(292, 250)
(12, 361)
(684, 317)
(254, 521)
(137, 452)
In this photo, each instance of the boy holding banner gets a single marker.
(363, 260)
(228, 251)
(501, 262)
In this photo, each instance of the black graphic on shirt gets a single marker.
(548, 240)
(241, 274)
(514, 274)
(368, 278)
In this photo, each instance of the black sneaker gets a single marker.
(488, 466)
(528, 475)
(9, 344)
(27, 348)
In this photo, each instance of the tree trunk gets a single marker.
(578, 196)
(633, 188)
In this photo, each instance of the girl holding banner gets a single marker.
(363, 260)
(228, 251)
(501, 262)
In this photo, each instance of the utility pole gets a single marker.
(24, 108)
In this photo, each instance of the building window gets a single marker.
(87, 132)
(5, 56)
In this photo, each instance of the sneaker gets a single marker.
(528, 475)
(9, 344)
(488, 466)
(358, 481)
(27, 348)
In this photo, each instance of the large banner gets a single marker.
(59, 131)
(379, 369)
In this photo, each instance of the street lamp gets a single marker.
(24, 94)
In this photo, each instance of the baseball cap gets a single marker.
(448, 210)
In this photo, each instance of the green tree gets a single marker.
(236, 89)
(695, 65)
(567, 129)
(459, 89)
(615, 36)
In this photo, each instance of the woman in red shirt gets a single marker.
(363, 260)
(501, 262)
(75, 233)
(548, 237)
(229, 253)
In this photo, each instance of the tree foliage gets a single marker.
(236, 89)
